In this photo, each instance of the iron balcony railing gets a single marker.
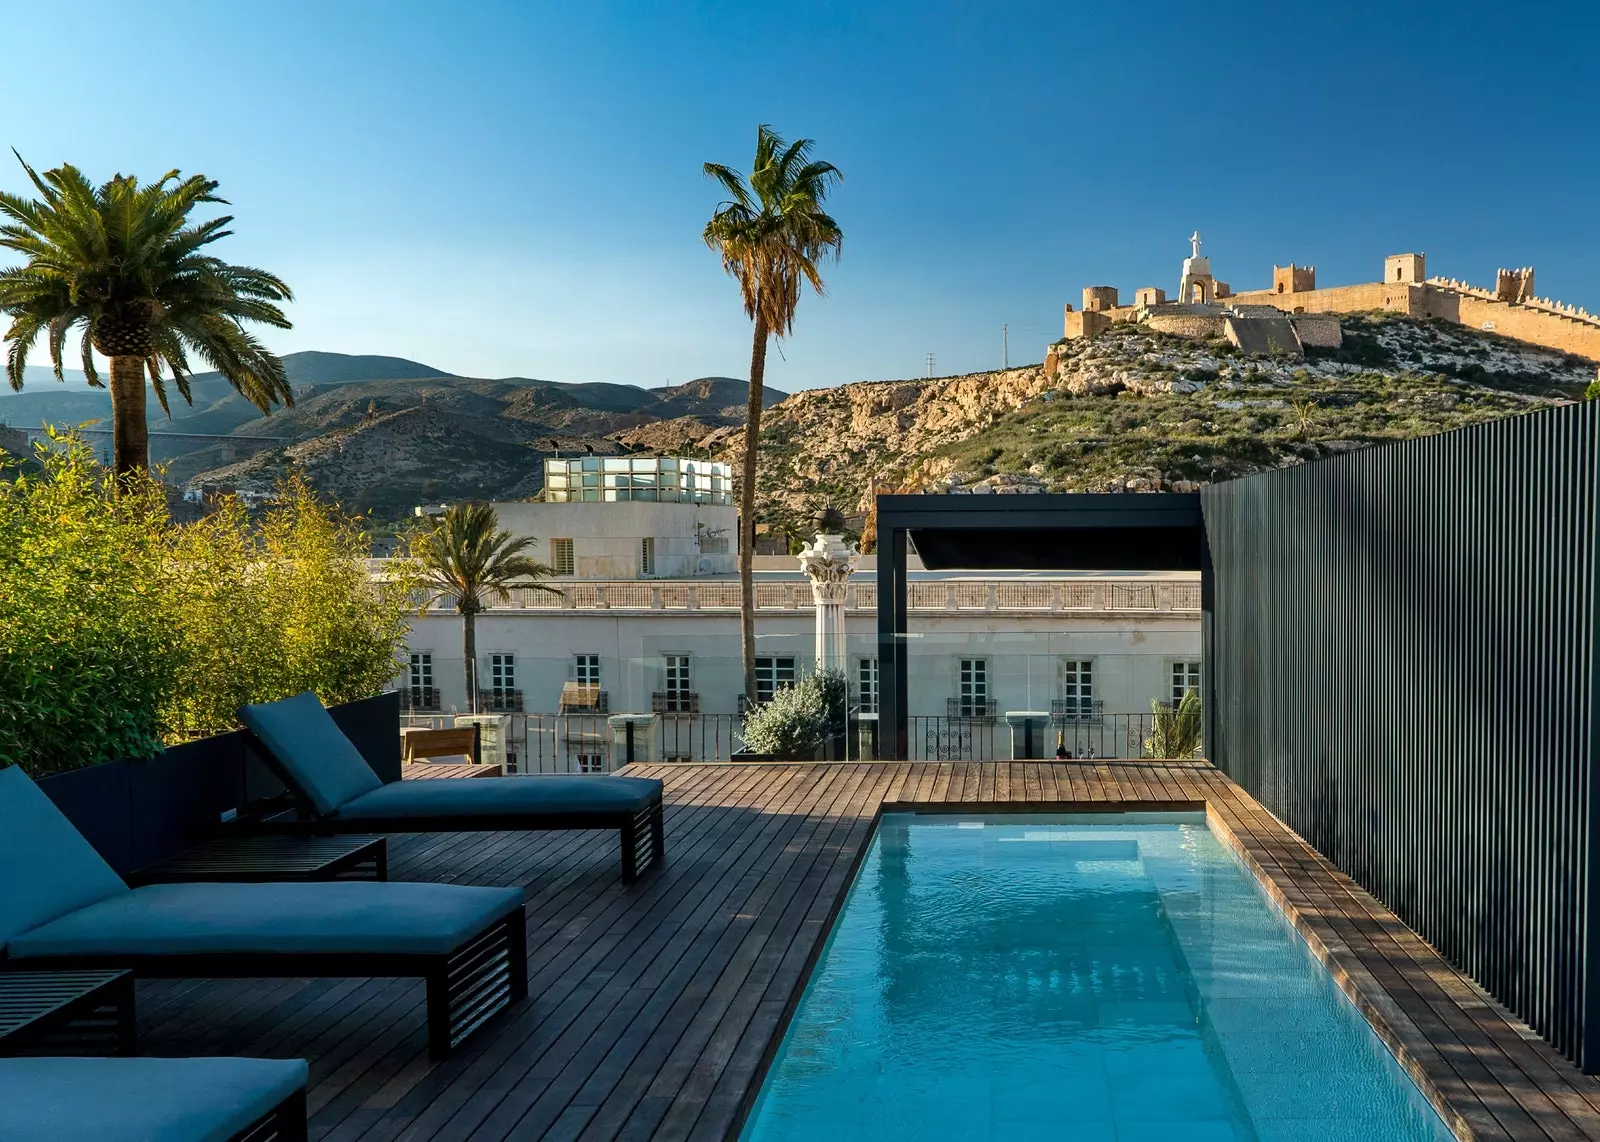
(500, 701)
(973, 709)
(419, 698)
(675, 702)
(1077, 712)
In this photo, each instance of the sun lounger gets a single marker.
(64, 908)
(152, 1100)
(338, 791)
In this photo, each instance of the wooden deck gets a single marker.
(653, 1007)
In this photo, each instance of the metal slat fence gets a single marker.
(1402, 665)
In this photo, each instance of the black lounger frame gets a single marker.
(285, 1122)
(466, 986)
(642, 833)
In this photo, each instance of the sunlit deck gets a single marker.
(653, 1007)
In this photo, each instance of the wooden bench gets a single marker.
(464, 742)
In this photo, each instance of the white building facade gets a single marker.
(642, 634)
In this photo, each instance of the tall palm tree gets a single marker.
(771, 232)
(466, 555)
(123, 262)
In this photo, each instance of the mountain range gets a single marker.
(385, 433)
(1134, 409)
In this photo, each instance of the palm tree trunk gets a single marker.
(130, 437)
(747, 510)
(469, 657)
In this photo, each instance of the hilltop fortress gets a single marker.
(1294, 313)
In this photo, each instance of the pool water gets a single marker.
(1084, 977)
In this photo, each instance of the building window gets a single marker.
(1185, 677)
(647, 556)
(679, 686)
(589, 762)
(561, 557)
(422, 671)
(973, 695)
(586, 669)
(502, 672)
(867, 684)
(772, 673)
(1076, 683)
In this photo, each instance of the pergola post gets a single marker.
(893, 734)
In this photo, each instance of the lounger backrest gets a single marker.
(46, 866)
(311, 750)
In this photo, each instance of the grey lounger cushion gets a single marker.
(329, 917)
(140, 1100)
(306, 741)
(47, 866)
(492, 796)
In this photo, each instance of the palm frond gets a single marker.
(772, 232)
(128, 256)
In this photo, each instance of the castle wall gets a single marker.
(1519, 321)
(1202, 326)
(1318, 329)
(1394, 296)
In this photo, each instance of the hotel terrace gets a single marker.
(1364, 908)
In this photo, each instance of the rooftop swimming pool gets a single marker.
(1100, 978)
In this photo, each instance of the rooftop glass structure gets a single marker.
(615, 479)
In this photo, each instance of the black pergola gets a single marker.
(1162, 531)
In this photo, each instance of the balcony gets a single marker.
(972, 709)
(583, 698)
(500, 701)
(675, 702)
(419, 698)
(1077, 712)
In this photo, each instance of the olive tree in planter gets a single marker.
(800, 720)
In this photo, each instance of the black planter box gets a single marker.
(136, 811)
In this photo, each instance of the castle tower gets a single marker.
(1197, 284)
(1409, 269)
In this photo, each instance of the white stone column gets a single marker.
(828, 562)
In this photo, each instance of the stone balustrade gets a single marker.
(948, 596)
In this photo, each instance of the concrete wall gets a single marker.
(607, 538)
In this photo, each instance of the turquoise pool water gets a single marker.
(1098, 979)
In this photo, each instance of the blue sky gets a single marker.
(515, 189)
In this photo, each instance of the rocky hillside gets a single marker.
(384, 433)
(1136, 410)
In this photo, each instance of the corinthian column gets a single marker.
(828, 562)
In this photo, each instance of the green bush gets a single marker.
(798, 719)
(121, 630)
(268, 609)
(86, 656)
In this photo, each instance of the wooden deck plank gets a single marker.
(654, 1007)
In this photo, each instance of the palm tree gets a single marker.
(123, 262)
(771, 232)
(466, 555)
(1175, 731)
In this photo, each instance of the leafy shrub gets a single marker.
(120, 629)
(265, 611)
(85, 654)
(796, 723)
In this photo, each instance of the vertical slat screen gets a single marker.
(1403, 645)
